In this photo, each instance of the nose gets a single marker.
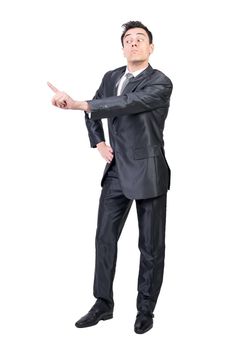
(134, 43)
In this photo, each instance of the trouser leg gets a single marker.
(151, 220)
(113, 211)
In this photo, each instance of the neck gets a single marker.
(134, 66)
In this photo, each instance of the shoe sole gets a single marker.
(102, 318)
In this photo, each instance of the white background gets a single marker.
(50, 177)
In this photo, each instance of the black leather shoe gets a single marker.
(144, 322)
(99, 311)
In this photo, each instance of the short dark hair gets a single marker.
(135, 24)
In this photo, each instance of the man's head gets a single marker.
(137, 42)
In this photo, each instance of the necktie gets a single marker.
(128, 76)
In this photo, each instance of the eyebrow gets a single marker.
(136, 33)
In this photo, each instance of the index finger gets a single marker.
(52, 87)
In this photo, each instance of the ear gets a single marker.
(123, 51)
(151, 49)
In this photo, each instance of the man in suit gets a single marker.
(135, 99)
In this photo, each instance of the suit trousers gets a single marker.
(112, 214)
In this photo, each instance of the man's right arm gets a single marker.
(96, 132)
(95, 127)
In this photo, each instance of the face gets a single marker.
(136, 46)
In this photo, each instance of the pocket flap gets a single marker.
(146, 152)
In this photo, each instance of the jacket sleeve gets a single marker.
(152, 96)
(95, 127)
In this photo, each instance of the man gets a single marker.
(135, 99)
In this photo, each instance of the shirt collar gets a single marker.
(136, 72)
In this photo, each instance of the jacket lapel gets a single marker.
(115, 80)
(133, 83)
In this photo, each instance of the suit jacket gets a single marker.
(135, 124)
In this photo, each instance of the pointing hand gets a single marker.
(61, 99)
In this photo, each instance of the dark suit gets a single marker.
(138, 171)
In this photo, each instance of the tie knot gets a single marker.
(128, 76)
